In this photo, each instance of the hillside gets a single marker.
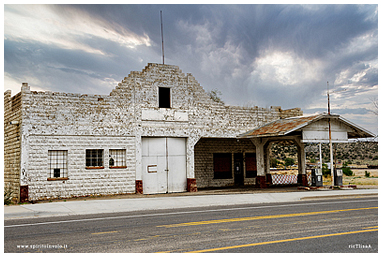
(360, 153)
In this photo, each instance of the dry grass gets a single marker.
(358, 178)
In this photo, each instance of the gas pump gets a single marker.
(316, 177)
(338, 173)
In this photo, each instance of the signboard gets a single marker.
(152, 168)
(319, 132)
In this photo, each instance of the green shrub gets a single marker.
(367, 174)
(347, 171)
(8, 196)
(288, 162)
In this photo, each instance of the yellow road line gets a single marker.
(107, 232)
(282, 241)
(260, 217)
(370, 227)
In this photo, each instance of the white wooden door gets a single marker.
(177, 165)
(164, 165)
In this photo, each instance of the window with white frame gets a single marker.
(117, 158)
(94, 158)
(57, 164)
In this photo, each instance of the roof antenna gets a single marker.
(162, 37)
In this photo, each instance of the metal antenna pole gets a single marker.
(162, 37)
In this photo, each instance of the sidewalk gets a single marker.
(171, 201)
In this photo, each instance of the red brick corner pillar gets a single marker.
(302, 179)
(191, 185)
(139, 187)
(269, 179)
(260, 182)
(24, 194)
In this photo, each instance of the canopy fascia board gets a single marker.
(362, 133)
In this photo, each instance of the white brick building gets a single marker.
(158, 131)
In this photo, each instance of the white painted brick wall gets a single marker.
(204, 150)
(82, 181)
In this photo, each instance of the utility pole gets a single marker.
(330, 135)
(330, 139)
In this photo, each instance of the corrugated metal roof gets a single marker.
(285, 126)
(280, 126)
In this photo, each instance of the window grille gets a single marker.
(117, 158)
(94, 157)
(57, 163)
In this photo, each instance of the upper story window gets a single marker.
(164, 97)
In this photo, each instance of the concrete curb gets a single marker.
(170, 202)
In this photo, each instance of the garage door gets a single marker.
(164, 165)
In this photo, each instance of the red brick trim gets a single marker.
(191, 185)
(260, 182)
(24, 197)
(139, 187)
(269, 179)
(302, 179)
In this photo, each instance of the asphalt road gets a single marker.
(334, 225)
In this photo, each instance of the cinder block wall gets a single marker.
(12, 143)
(203, 154)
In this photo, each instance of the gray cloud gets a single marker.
(254, 54)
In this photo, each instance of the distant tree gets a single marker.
(288, 162)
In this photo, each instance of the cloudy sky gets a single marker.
(255, 55)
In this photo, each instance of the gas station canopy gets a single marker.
(313, 129)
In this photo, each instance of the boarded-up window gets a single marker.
(222, 163)
(251, 165)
